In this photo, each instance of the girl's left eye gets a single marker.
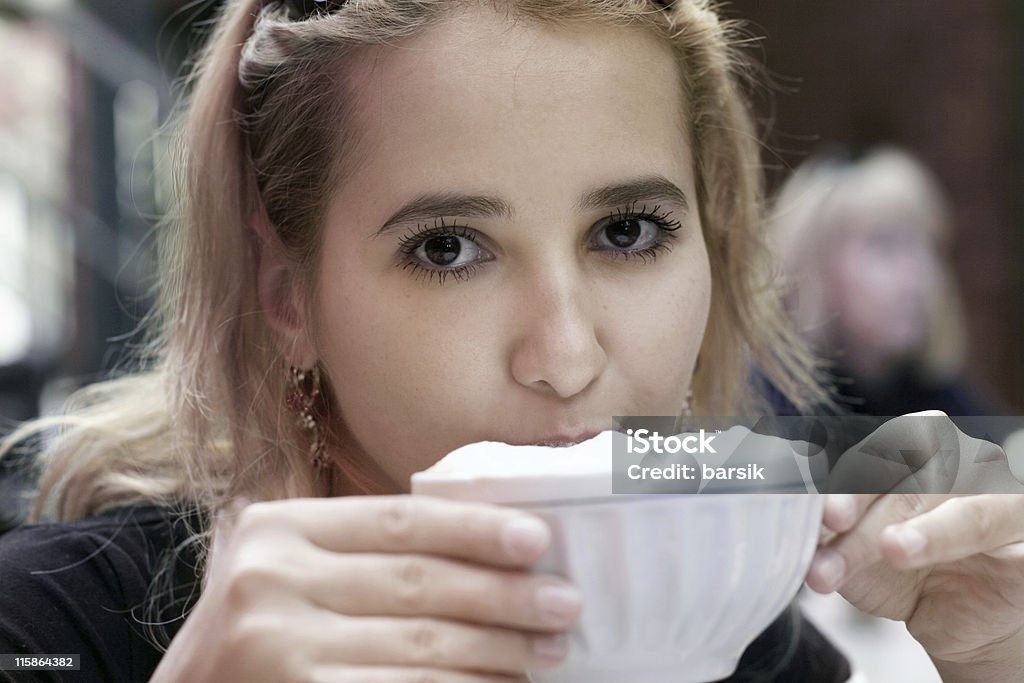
(640, 233)
(629, 234)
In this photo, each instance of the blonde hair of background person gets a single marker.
(828, 199)
(270, 153)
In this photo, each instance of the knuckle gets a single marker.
(411, 584)
(252, 633)
(398, 519)
(424, 642)
(1014, 554)
(253, 577)
(980, 516)
(255, 517)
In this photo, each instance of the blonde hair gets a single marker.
(827, 198)
(206, 421)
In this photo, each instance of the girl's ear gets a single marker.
(280, 294)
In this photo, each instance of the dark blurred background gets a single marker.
(85, 84)
(943, 79)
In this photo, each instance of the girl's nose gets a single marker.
(557, 349)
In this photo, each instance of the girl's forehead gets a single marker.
(478, 47)
(478, 92)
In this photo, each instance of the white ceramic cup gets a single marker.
(675, 586)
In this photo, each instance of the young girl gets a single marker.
(406, 226)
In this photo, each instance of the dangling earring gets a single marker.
(303, 391)
(687, 410)
(681, 423)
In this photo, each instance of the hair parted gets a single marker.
(264, 134)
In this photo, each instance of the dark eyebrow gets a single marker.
(649, 188)
(430, 206)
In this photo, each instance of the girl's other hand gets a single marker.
(951, 567)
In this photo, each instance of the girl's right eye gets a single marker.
(445, 251)
(439, 251)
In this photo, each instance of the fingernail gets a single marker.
(550, 649)
(558, 605)
(525, 538)
(911, 540)
(830, 567)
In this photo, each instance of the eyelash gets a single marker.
(417, 236)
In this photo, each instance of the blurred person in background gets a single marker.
(862, 244)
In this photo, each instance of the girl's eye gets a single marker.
(439, 251)
(444, 251)
(631, 233)
(640, 233)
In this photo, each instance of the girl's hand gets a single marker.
(368, 589)
(951, 567)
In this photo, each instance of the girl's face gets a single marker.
(517, 255)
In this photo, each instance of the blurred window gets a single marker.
(35, 239)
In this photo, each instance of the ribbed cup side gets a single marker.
(676, 586)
